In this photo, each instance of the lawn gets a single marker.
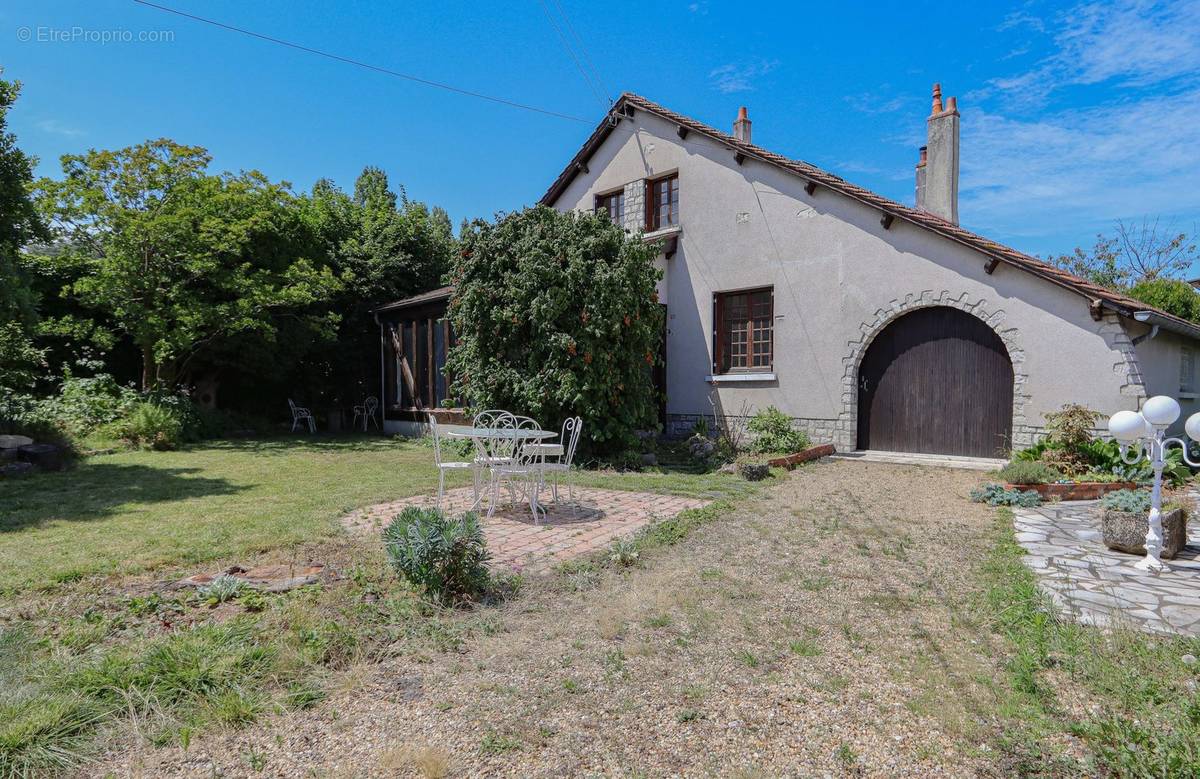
(91, 658)
(136, 511)
(849, 619)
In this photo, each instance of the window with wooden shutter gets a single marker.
(744, 331)
(662, 202)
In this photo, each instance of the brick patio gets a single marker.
(515, 541)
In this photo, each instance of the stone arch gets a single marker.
(847, 425)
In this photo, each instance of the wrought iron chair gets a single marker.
(523, 470)
(443, 465)
(571, 429)
(301, 414)
(366, 410)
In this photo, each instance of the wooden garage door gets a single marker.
(937, 381)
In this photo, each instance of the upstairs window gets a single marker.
(613, 204)
(662, 202)
(744, 331)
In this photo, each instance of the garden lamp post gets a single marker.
(1143, 434)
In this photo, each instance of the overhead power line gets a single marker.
(586, 56)
(589, 75)
(366, 65)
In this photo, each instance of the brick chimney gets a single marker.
(741, 128)
(937, 171)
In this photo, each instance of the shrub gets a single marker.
(221, 589)
(445, 556)
(773, 432)
(1129, 501)
(151, 426)
(84, 404)
(999, 495)
(1024, 472)
(557, 315)
(1069, 437)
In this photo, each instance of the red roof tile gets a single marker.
(1115, 301)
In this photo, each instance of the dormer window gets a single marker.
(612, 204)
(662, 202)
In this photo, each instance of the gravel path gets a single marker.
(821, 629)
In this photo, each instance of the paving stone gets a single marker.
(564, 533)
(1101, 587)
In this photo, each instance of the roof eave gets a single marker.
(1174, 325)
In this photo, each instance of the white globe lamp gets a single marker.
(1192, 426)
(1161, 411)
(1128, 426)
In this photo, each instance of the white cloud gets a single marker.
(1132, 43)
(1081, 168)
(876, 103)
(58, 127)
(740, 77)
(1033, 169)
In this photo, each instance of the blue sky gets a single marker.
(1074, 114)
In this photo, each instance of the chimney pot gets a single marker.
(741, 128)
(937, 173)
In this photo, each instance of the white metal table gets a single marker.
(518, 435)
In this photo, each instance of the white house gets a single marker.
(875, 325)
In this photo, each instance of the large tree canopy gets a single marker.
(557, 315)
(1171, 295)
(1132, 254)
(178, 258)
(383, 247)
(19, 225)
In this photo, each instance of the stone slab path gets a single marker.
(1098, 586)
(602, 517)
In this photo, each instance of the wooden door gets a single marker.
(937, 381)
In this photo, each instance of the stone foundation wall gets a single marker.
(820, 431)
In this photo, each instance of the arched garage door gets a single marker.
(939, 381)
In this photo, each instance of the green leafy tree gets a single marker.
(19, 225)
(177, 258)
(383, 247)
(1171, 295)
(557, 316)
(1132, 254)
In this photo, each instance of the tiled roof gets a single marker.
(432, 296)
(1100, 296)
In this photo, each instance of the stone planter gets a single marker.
(1126, 532)
(754, 471)
(792, 460)
(1078, 490)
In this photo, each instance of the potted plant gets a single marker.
(1125, 520)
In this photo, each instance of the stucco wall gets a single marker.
(838, 277)
(1160, 358)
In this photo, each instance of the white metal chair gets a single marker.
(366, 410)
(301, 414)
(443, 465)
(522, 470)
(494, 451)
(570, 439)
